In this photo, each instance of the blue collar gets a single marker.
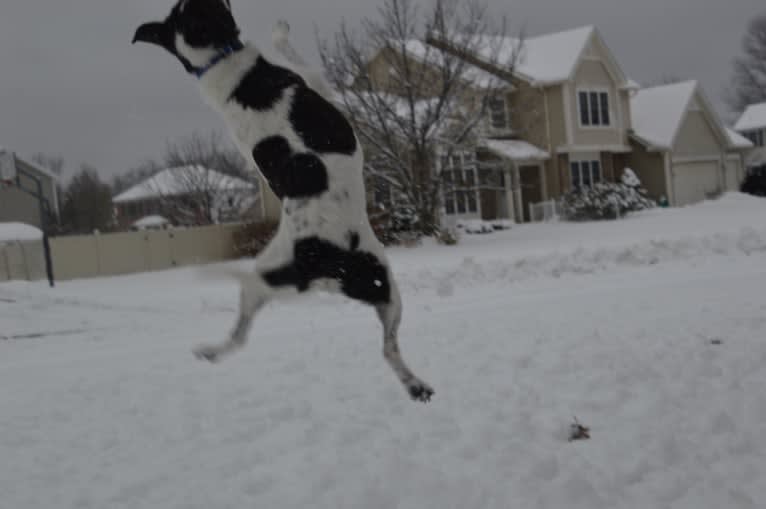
(223, 53)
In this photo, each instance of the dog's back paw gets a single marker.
(207, 353)
(420, 391)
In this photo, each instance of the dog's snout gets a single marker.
(149, 32)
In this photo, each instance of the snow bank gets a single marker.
(731, 225)
(586, 261)
(10, 232)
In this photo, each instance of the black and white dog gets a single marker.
(282, 119)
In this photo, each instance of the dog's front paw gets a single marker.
(207, 353)
(420, 391)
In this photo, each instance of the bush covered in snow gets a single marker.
(606, 200)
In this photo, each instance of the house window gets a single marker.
(460, 193)
(585, 173)
(755, 136)
(594, 108)
(498, 112)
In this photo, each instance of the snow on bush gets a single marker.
(606, 200)
(475, 226)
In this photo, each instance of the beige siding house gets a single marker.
(681, 150)
(21, 182)
(568, 117)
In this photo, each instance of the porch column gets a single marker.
(543, 182)
(508, 188)
(516, 185)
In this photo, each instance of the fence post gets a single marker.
(24, 257)
(7, 263)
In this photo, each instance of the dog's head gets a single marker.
(194, 31)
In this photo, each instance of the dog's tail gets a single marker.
(280, 36)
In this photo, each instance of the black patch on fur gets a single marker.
(319, 124)
(360, 274)
(353, 240)
(204, 24)
(322, 128)
(290, 174)
(264, 85)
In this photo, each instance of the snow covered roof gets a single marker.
(736, 140)
(19, 231)
(517, 150)
(148, 221)
(545, 59)
(178, 181)
(754, 117)
(657, 112)
(434, 56)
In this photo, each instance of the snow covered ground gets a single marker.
(649, 330)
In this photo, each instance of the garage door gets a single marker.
(694, 182)
(734, 175)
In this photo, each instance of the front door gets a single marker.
(531, 188)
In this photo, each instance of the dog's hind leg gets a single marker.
(390, 315)
(256, 291)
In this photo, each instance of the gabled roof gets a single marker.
(754, 117)
(545, 59)
(175, 182)
(658, 112)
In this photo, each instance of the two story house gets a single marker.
(561, 122)
(28, 192)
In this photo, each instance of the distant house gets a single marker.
(680, 148)
(752, 125)
(25, 188)
(188, 195)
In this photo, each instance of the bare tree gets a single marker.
(135, 175)
(210, 150)
(200, 180)
(749, 78)
(443, 67)
(197, 195)
(211, 181)
(87, 204)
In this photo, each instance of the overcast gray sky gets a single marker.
(72, 84)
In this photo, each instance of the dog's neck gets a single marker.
(220, 80)
(223, 53)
